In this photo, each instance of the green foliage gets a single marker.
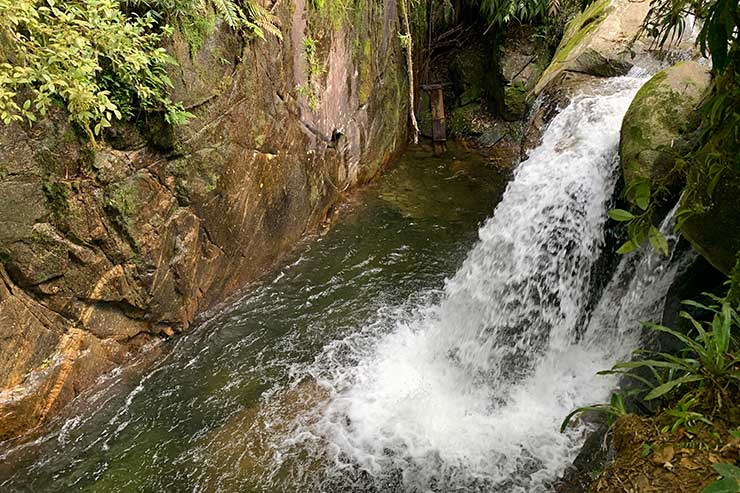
(614, 409)
(715, 155)
(316, 68)
(684, 417)
(335, 10)
(709, 359)
(666, 22)
(87, 55)
(501, 12)
(640, 224)
(728, 483)
(195, 17)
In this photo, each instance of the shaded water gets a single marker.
(392, 356)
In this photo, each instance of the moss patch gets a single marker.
(57, 194)
(515, 102)
(576, 33)
(123, 201)
(656, 128)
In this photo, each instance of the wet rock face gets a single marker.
(104, 247)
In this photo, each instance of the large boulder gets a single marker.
(713, 194)
(657, 127)
(598, 41)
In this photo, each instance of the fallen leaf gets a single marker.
(688, 464)
(665, 454)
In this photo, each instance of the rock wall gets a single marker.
(105, 247)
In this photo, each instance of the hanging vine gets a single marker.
(407, 43)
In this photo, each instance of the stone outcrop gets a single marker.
(713, 193)
(105, 247)
(657, 126)
(598, 41)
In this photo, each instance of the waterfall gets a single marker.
(462, 387)
(466, 391)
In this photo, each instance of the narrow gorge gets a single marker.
(234, 271)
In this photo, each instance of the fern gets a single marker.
(260, 20)
(230, 12)
(188, 15)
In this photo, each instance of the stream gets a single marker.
(419, 345)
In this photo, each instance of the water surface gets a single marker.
(170, 429)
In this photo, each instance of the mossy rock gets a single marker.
(515, 102)
(657, 126)
(462, 120)
(597, 41)
(714, 231)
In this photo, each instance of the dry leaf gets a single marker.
(665, 454)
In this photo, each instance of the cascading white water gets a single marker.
(467, 392)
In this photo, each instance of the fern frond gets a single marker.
(262, 19)
(230, 12)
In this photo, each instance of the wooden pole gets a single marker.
(439, 127)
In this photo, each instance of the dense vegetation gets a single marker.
(697, 385)
(103, 59)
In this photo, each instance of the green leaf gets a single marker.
(652, 363)
(658, 241)
(628, 247)
(661, 390)
(727, 470)
(621, 215)
(726, 485)
(642, 195)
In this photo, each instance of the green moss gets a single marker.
(461, 119)
(714, 231)
(5, 256)
(50, 258)
(582, 25)
(654, 127)
(366, 74)
(577, 30)
(193, 177)
(122, 199)
(515, 101)
(195, 30)
(57, 196)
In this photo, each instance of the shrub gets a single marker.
(86, 55)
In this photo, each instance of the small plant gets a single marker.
(311, 89)
(188, 15)
(640, 224)
(684, 417)
(728, 483)
(710, 361)
(614, 409)
(87, 55)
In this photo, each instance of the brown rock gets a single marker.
(103, 248)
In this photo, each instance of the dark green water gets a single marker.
(196, 420)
